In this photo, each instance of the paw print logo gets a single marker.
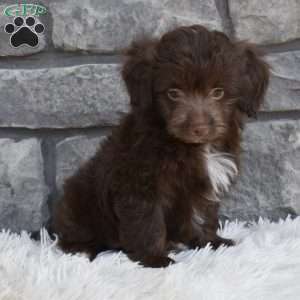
(24, 32)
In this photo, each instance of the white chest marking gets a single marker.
(221, 170)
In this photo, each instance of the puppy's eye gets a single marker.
(174, 94)
(217, 93)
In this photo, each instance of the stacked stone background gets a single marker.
(58, 100)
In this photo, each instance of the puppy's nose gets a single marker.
(200, 130)
(197, 132)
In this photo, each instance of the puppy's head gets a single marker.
(195, 80)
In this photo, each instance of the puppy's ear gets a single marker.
(137, 72)
(253, 77)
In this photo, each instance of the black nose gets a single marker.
(200, 131)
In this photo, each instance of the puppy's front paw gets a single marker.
(158, 262)
(218, 241)
(152, 261)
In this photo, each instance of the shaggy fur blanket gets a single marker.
(265, 264)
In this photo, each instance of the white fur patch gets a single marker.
(265, 263)
(221, 170)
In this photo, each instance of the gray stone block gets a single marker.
(30, 40)
(73, 152)
(265, 22)
(23, 193)
(79, 96)
(284, 91)
(109, 25)
(269, 182)
(91, 95)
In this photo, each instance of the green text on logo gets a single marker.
(25, 10)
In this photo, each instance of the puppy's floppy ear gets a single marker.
(253, 77)
(137, 72)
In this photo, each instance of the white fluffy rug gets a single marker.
(264, 265)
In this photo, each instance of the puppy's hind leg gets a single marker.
(143, 233)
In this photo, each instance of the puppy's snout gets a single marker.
(201, 124)
(200, 130)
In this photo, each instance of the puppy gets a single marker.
(159, 177)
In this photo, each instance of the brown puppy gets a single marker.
(158, 178)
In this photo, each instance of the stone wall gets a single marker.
(58, 103)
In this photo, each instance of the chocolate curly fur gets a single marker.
(148, 186)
